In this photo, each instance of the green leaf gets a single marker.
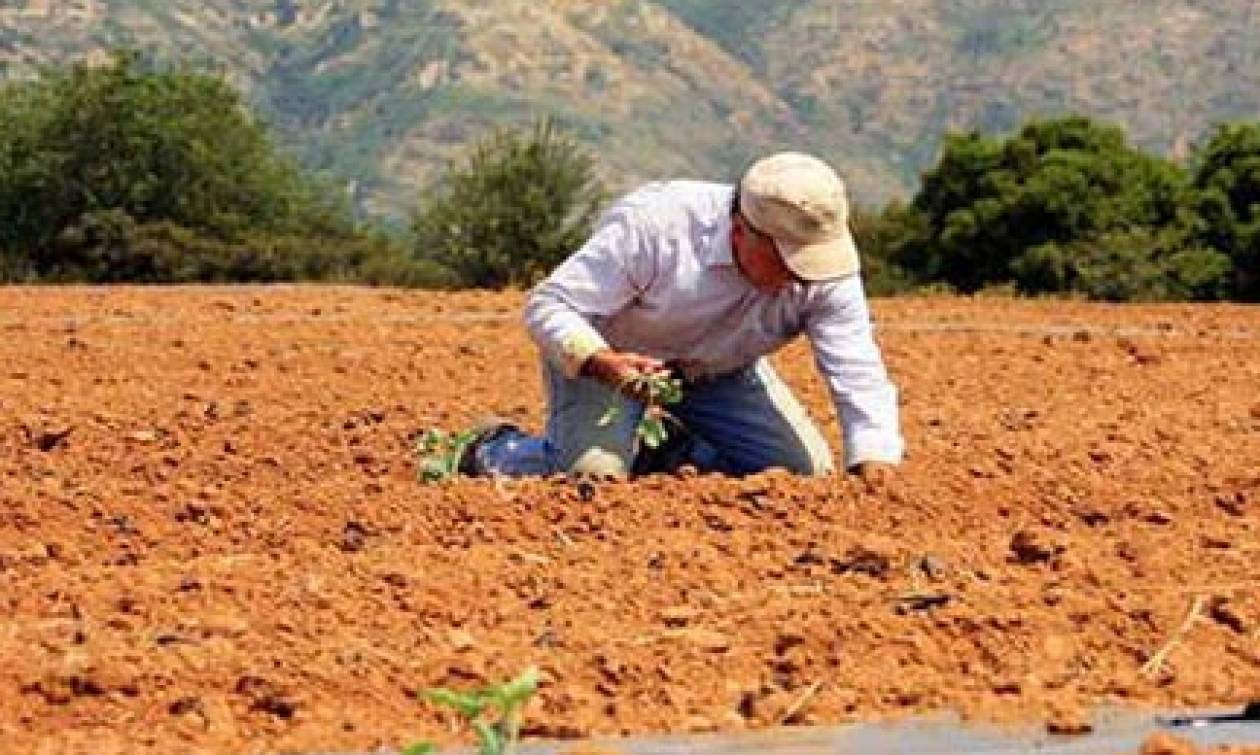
(469, 704)
(434, 470)
(609, 416)
(671, 391)
(432, 440)
(652, 431)
(491, 742)
(516, 692)
(420, 748)
(440, 453)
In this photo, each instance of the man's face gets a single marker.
(757, 257)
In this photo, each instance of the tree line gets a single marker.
(1068, 206)
(132, 172)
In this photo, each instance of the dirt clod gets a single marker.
(1068, 719)
(1035, 547)
(1222, 611)
(47, 438)
(1163, 743)
(861, 560)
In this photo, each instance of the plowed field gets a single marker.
(212, 537)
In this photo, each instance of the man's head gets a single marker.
(800, 203)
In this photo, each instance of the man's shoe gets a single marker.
(485, 430)
(444, 455)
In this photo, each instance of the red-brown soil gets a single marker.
(212, 537)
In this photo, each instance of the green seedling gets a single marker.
(656, 390)
(440, 453)
(507, 701)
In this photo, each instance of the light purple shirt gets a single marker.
(657, 278)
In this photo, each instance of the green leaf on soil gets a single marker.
(440, 453)
(468, 704)
(517, 691)
(498, 735)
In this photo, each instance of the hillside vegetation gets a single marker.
(379, 94)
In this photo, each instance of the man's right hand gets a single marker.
(618, 369)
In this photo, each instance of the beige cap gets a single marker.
(800, 202)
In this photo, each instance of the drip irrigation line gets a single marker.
(428, 319)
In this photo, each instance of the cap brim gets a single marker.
(825, 260)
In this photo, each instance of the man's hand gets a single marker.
(876, 474)
(618, 369)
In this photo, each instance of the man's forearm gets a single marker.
(562, 333)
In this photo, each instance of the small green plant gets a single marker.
(507, 701)
(656, 390)
(440, 453)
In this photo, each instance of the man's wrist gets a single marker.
(577, 349)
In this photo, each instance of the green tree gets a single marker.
(882, 239)
(518, 205)
(146, 145)
(1227, 177)
(1009, 210)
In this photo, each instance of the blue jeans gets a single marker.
(740, 423)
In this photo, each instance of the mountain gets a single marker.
(379, 94)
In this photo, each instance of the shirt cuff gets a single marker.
(576, 347)
(873, 446)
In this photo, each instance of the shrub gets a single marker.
(514, 209)
(112, 247)
(1128, 265)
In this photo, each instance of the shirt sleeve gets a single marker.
(608, 272)
(839, 329)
